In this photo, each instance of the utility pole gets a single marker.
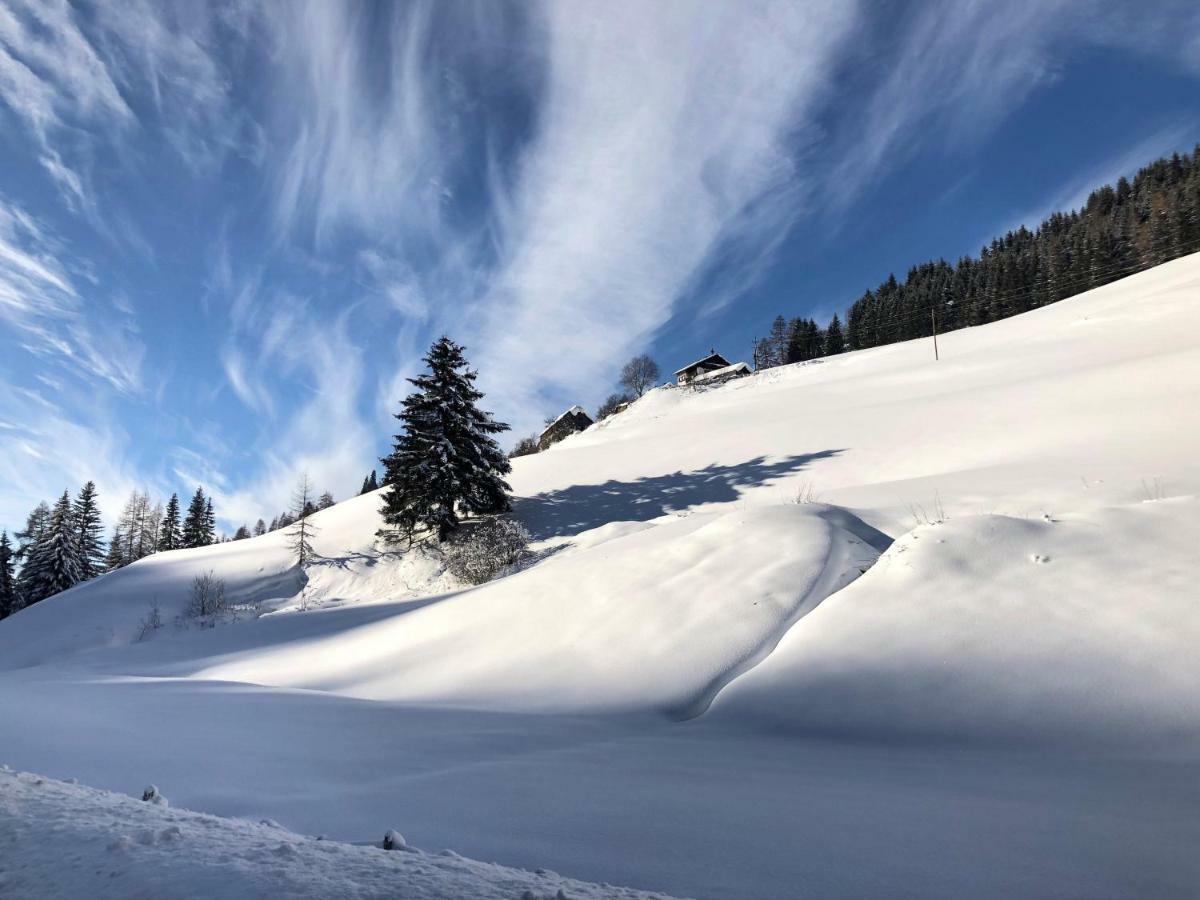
(933, 319)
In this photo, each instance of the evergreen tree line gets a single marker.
(1121, 229)
(798, 340)
(290, 517)
(63, 545)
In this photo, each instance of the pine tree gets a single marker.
(260, 528)
(8, 584)
(170, 535)
(446, 459)
(35, 527)
(52, 564)
(835, 342)
(210, 523)
(325, 501)
(116, 556)
(242, 533)
(89, 533)
(194, 522)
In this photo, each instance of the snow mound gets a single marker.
(1081, 626)
(654, 618)
(80, 842)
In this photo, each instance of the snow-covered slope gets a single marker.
(1040, 483)
(80, 842)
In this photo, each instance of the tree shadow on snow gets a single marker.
(584, 506)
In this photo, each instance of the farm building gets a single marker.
(692, 371)
(713, 368)
(573, 420)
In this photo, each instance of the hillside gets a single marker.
(847, 624)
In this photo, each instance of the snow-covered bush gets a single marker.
(152, 795)
(393, 840)
(207, 603)
(483, 549)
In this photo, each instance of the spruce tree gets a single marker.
(35, 527)
(8, 583)
(116, 555)
(260, 528)
(52, 564)
(170, 533)
(194, 522)
(325, 501)
(210, 523)
(445, 460)
(835, 342)
(89, 533)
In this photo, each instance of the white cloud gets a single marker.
(952, 70)
(40, 301)
(46, 449)
(663, 137)
(368, 150)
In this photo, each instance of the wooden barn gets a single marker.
(573, 420)
(701, 367)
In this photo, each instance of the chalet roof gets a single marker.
(713, 358)
(735, 369)
(573, 411)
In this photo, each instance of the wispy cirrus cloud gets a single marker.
(40, 301)
(663, 137)
(952, 70)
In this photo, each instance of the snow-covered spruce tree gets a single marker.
(35, 527)
(194, 522)
(170, 533)
(445, 459)
(52, 564)
(89, 531)
(8, 581)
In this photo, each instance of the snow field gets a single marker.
(65, 840)
(1003, 705)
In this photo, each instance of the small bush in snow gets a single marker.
(483, 549)
(393, 840)
(152, 795)
(207, 602)
(150, 623)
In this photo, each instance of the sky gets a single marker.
(230, 230)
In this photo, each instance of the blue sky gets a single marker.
(229, 230)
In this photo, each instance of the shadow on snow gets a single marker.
(584, 506)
